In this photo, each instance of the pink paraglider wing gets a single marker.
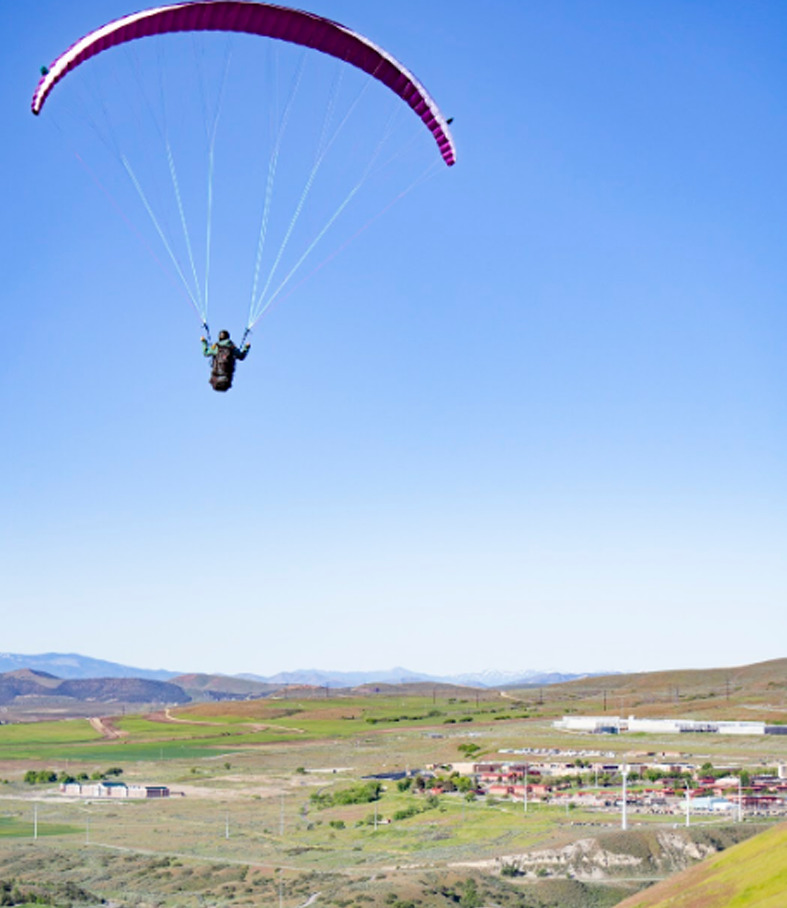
(269, 21)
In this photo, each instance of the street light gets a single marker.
(624, 818)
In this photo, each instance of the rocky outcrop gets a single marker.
(616, 854)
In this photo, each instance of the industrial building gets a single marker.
(617, 725)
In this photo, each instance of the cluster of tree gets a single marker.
(432, 714)
(393, 901)
(667, 777)
(68, 893)
(465, 895)
(453, 782)
(357, 794)
(11, 894)
(510, 869)
(412, 810)
(707, 771)
(47, 776)
(468, 750)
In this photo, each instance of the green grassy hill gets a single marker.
(752, 874)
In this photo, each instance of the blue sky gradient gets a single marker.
(533, 417)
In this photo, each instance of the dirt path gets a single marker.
(166, 716)
(106, 728)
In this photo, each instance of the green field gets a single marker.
(15, 828)
(243, 776)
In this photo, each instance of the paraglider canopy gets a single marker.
(267, 20)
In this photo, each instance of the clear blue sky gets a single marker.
(534, 417)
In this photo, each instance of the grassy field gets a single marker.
(11, 827)
(242, 826)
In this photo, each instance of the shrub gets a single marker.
(358, 794)
(406, 812)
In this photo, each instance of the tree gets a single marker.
(468, 749)
(470, 897)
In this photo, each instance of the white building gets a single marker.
(113, 790)
(616, 725)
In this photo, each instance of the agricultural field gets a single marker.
(270, 805)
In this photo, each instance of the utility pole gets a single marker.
(35, 822)
(688, 805)
(227, 826)
(524, 788)
(740, 800)
(624, 817)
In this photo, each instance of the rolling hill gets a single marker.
(757, 692)
(29, 684)
(752, 873)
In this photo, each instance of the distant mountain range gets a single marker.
(486, 679)
(73, 665)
